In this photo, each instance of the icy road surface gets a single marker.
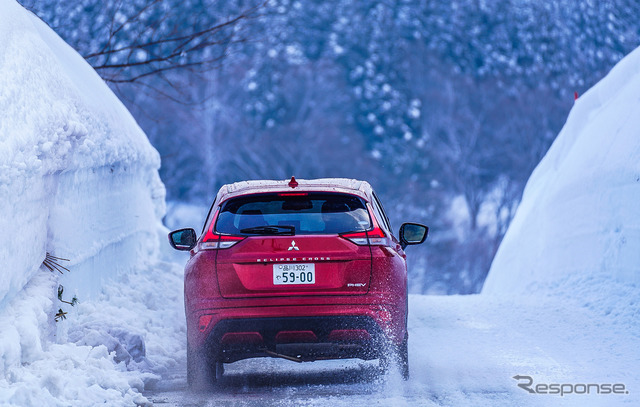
(464, 350)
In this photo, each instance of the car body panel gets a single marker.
(341, 267)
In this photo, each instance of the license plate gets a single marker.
(297, 273)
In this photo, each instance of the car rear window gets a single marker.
(302, 213)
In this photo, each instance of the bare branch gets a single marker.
(53, 263)
(158, 71)
(117, 63)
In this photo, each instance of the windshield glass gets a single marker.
(295, 213)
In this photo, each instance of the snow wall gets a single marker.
(579, 220)
(78, 179)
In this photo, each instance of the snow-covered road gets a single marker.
(464, 350)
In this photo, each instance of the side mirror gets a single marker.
(412, 233)
(183, 239)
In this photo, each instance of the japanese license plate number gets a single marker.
(295, 273)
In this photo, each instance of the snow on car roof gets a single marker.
(320, 184)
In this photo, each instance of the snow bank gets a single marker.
(568, 269)
(70, 156)
(119, 344)
(78, 179)
(577, 230)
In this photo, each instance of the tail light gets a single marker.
(214, 241)
(375, 237)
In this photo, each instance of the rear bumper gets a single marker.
(308, 332)
(297, 338)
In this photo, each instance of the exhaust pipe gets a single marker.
(280, 355)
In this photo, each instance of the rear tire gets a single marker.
(402, 358)
(202, 369)
(398, 356)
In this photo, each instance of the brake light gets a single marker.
(293, 194)
(215, 241)
(374, 237)
(219, 241)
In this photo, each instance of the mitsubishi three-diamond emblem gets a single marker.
(293, 246)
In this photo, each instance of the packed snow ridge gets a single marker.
(66, 143)
(577, 227)
(79, 180)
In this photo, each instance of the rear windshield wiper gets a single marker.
(270, 230)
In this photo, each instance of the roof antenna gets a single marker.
(293, 183)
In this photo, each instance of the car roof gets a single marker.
(344, 185)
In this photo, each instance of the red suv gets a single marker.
(301, 270)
